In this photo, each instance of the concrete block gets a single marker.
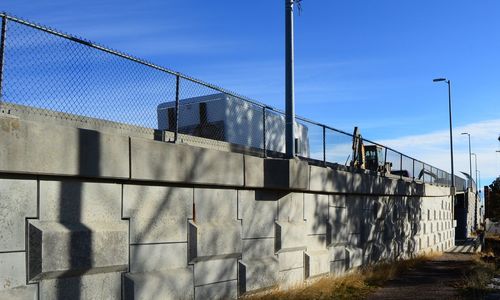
(286, 174)
(339, 233)
(316, 242)
(12, 270)
(290, 278)
(157, 214)
(258, 215)
(95, 286)
(221, 290)
(258, 274)
(254, 171)
(67, 151)
(214, 239)
(166, 284)
(316, 263)
(257, 248)
(290, 235)
(338, 215)
(155, 257)
(159, 161)
(337, 200)
(338, 267)
(316, 213)
(215, 205)
(28, 292)
(291, 207)
(215, 270)
(337, 252)
(291, 260)
(354, 239)
(18, 200)
(57, 249)
(79, 202)
(321, 179)
(354, 257)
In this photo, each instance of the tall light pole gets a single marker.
(470, 159)
(289, 80)
(475, 168)
(451, 131)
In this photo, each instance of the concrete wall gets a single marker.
(86, 214)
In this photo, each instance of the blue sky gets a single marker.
(358, 63)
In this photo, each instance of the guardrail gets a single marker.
(77, 79)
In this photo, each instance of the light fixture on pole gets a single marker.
(451, 130)
(470, 159)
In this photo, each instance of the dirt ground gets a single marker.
(434, 279)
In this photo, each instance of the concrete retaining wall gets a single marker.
(86, 214)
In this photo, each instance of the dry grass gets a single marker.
(474, 283)
(355, 285)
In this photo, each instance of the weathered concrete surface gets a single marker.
(157, 214)
(158, 161)
(170, 284)
(286, 174)
(18, 200)
(93, 248)
(147, 219)
(40, 148)
(72, 201)
(96, 286)
(12, 270)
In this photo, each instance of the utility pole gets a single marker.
(289, 81)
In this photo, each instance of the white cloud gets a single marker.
(433, 148)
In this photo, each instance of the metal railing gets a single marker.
(68, 77)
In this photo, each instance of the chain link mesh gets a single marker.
(50, 73)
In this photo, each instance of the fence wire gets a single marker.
(48, 72)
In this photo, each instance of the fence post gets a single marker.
(2, 53)
(413, 172)
(324, 145)
(401, 164)
(385, 161)
(264, 150)
(176, 132)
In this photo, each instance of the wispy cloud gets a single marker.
(433, 148)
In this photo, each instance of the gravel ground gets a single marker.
(434, 279)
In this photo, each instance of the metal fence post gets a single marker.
(264, 150)
(176, 132)
(401, 164)
(385, 161)
(2, 53)
(324, 145)
(413, 171)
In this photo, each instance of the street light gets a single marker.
(470, 158)
(451, 128)
(475, 168)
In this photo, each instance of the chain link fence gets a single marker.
(56, 74)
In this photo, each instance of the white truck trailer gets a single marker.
(226, 118)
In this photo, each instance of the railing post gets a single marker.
(177, 84)
(2, 53)
(385, 161)
(401, 164)
(324, 145)
(413, 171)
(264, 150)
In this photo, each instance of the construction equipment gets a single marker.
(370, 157)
